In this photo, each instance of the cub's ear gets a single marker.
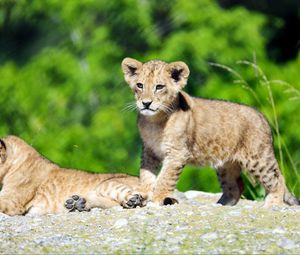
(179, 73)
(130, 69)
(2, 151)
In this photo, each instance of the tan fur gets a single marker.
(178, 129)
(32, 184)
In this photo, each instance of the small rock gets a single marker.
(140, 217)
(279, 230)
(117, 208)
(191, 194)
(189, 213)
(151, 204)
(210, 236)
(120, 223)
(107, 212)
(93, 210)
(216, 205)
(22, 229)
(235, 213)
(286, 243)
(161, 237)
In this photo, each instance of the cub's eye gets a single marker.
(159, 87)
(140, 85)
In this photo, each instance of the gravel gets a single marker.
(195, 225)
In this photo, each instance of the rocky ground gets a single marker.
(196, 225)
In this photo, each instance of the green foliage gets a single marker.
(62, 89)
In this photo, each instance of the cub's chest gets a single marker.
(152, 137)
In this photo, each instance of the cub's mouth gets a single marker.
(148, 111)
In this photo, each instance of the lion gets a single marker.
(178, 129)
(33, 185)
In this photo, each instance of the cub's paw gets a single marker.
(76, 203)
(170, 201)
(134, 201)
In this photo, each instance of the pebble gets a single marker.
(151, 204)
(210, 236)
(95, 210)
(117, 208)
(279, 230)
(235, 213)
(192, 194)
(286, 244)
(120, 223)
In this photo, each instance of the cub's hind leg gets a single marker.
(14, 199)
(231, 183)
(84, 203)
(123, 194)
(266, 170)
(11, 206)
(107, 194)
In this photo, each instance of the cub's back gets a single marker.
(72, 180)
(228, 117)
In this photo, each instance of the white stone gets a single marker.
(286, 244)
(151, 204)
(279, 230)
(120, 223)
(210, 236)
(192, 194)
(235, 213)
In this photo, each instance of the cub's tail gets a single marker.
(290, 199)
(3, 154)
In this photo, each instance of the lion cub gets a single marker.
(178, 129)
(33, 185)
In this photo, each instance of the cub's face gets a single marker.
(155, 83)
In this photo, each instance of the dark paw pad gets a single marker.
(170, 201)
(134, 201)
(76, 203)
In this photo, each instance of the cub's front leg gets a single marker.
(149, 166)
(167, 179)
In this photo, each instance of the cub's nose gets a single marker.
(147, 104)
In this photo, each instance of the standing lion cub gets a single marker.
(33, 185)
(178, 129)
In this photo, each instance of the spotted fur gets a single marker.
(178, 129)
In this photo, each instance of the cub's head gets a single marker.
(155, 83)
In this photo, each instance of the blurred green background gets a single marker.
(62, 89)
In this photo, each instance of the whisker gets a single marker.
(128, 107)
(131, 106)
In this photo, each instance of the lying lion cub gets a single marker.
(33, 185)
